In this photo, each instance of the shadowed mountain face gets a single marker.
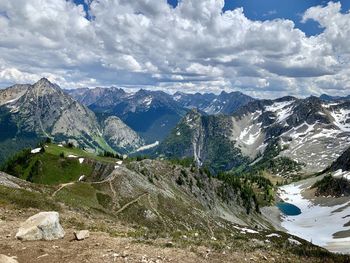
(309, 132)
(153, 114)
(32, 112)
(150, 113)
(224, 103)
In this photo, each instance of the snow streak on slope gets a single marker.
(341, 118)
(314, 145)
(342, 174)
(278, 106)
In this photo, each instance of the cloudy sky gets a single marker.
(264, 48)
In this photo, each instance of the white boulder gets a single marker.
(6, 259)
(42, 226)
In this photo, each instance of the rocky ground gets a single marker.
(103, 247)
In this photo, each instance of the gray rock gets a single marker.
(82, 234)
(42, 226)
(6, 259)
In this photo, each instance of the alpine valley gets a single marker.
(150, 176)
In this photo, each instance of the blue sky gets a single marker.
(271, 9)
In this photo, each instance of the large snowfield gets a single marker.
(317, 223)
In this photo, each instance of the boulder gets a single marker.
(6, 259)
(42, 226)
(82, 234)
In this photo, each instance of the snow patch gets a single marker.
(273, 235)
(277, 106)
(293, 241)
(13, 100)
(341, 119)
(342, 174)
(248, 137)
(246, 230)
(147, 101)
(149, 146)
(36, 150)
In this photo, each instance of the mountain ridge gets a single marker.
(43, 110)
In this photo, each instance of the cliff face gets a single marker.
(308, 131)
(44, 110)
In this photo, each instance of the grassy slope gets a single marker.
(50, 167)
(90, 198)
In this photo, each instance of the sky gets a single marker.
(266, 49)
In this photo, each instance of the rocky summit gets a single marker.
(30, 113)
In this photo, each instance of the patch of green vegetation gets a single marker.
(57, 150)
(79, 195)
(330, 185)
(177, 145)
(103, 144)
(46, 168)
(273, 163)
(104, 199)
(26, 199)
(185, 162)
(253, 190)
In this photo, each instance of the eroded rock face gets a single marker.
(120, 136)
(42, 226)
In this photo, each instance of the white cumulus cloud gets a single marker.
(193, 47)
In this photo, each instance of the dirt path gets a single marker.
(131, 202)
(114, 197)
(61, 187)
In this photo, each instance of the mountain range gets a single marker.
(224, 131)
(310, 133)
(153, 114)
(204, 163)
(30, 113)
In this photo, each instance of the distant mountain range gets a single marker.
(154, 113)
(307, 134)
(224, 131)
(326, 97)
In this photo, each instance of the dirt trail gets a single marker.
(61, 187)
(130, 203)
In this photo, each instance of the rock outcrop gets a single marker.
(6, 259)
(42, 226)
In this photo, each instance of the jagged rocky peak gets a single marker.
(193, 115)
(44, 86)
(44, 110)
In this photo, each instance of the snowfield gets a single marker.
(317, 223)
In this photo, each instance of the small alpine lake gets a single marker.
(288, 209)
